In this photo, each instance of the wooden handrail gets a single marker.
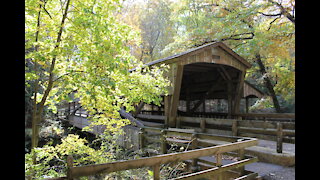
(268, 115)
(88, 170)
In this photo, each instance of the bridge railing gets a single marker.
(278, 131)
(217, 169)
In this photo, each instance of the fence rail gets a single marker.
(235, 145)
(279, 131)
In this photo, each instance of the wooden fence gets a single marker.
(216, 171)
(279, 131)
(246, 116)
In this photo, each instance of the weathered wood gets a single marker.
(167, 107)
(250, 176)
(238, 92)
(69, 166)
(269, 115)
(235, 128)
(229, 90)
(194, 145)
(241, 157)
(141, 138)
(279, 137)
(216, 170)
(163, 142)
(175, 96)
(156, 172)
(151, 117)
(247, 104)
(203, 125)
(203, 98)
(88, 170)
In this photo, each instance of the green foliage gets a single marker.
(91, 58)
(53, 158)
(248, 27)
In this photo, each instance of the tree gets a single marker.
(80, 46)
(152, 20)
(260, 31)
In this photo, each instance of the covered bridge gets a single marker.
(209, 72)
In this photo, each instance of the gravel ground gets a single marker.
(287, 173)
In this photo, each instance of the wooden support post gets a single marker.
(203, 125)
(163, 142)
(141, 138)
(156, 172)
(69, 165)
(241, 157)
(229, 99)
(219, 164)
(247, 105)
(194, 145)
(175, 96)
(235, 128)
(239, 93)
(279, 137)
(167, 100)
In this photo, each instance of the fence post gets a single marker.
(69, 166)
(203, 125)
(163, 142)
(235, 127)
(194, 145)
(279, 137)
(141, 138)
(156, 172)
(219, 164)
(241, 157)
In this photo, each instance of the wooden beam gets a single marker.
(213, 87)
(217, 170)
(229, 89)
(167, 100)
(239, 93)
(225, 72)
(175, 96)
(88, 170)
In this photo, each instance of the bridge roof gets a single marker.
(214, 44)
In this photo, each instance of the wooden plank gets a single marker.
(216, 170)
(250, 176)
(268, 115)
(151, 117)
(88, 170)
(257, 130)
(258, 124)
(212, 121)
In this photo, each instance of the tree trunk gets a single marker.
(268, 83)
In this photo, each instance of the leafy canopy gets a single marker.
(92, 58)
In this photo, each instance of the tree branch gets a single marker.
(53, 62)
(283, 11)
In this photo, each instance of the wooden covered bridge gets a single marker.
(204, 79)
